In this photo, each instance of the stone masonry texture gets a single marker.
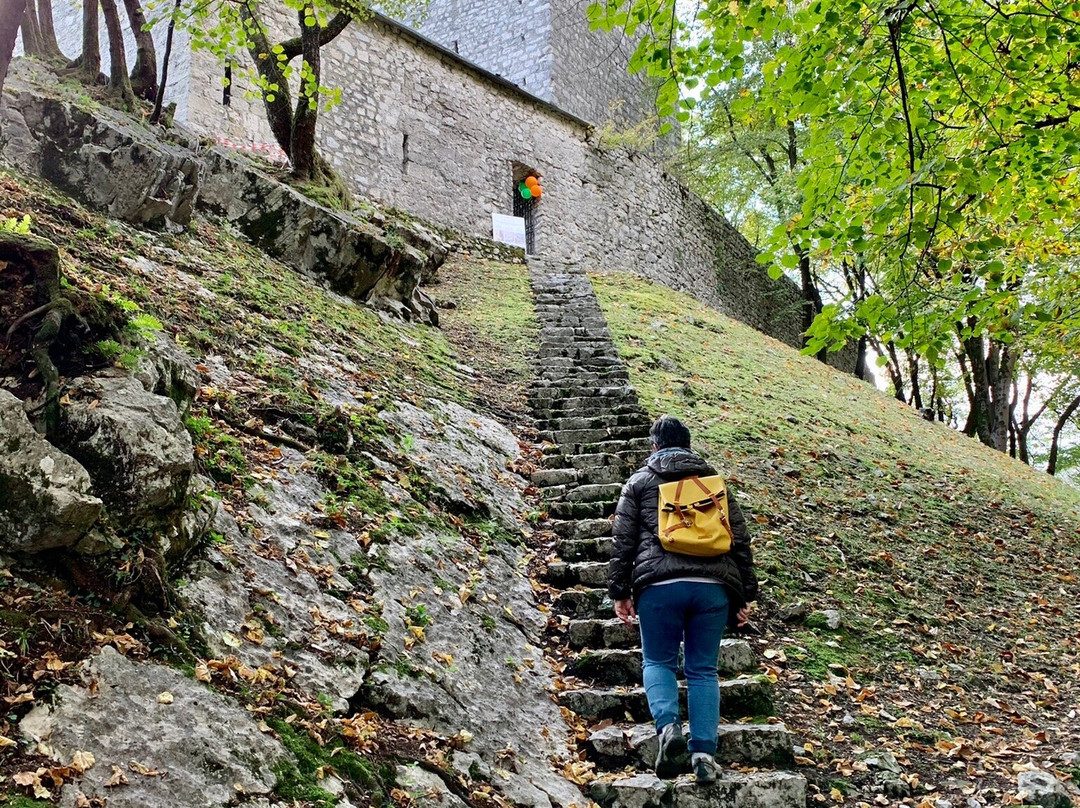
(420, 130)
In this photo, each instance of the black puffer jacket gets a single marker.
(638, 559)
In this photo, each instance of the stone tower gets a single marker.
(545, 47)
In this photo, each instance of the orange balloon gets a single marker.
(537, 191)
(531, 182)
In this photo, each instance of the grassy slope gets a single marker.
(954, 567)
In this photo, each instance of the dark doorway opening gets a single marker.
(527, 209)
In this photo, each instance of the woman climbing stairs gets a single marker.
(596, 434)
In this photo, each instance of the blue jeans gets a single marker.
(695, 615)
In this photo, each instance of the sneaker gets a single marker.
(672, 757)
(704, 766)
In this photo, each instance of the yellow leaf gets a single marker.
(82, 761)
(165, 697)
(5, 742)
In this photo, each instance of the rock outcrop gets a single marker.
(356, 257)
(46, 499)
(157, 178)
(174, 741)
(133, 443)
(97, 155)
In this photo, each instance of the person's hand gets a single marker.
(742, 617)
(624, 610)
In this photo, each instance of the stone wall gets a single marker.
(546, 48)
(511, 39)
(589, 75)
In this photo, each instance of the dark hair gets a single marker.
(668, 431)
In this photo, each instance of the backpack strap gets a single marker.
(678, 509)
(714, 498)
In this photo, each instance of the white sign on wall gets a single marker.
(508, 229)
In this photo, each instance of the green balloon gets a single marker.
(525, 192)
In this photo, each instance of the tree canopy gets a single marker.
(939, 147)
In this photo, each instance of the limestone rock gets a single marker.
(794, 612)
(46, 499)
(209, 747)
(98, 157)
(426, 788)
(293, 618)
(165, 369)
(134, 445)
(828, 619)
(466, 455)
(1042, 788)
(356, 257)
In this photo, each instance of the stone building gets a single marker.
(444, 122)
(546, 48)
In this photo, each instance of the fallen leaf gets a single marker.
(82, 761)
(118, 778)
(165, 697)
(142, 769)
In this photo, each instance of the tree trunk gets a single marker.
(980, 417)
(155, 116)
(11, 12)
(1004, 366)
(277, 103)
(47, 31)
(144, 73)
(812, 305)
(89, 61)
(913, 374)
(307, 102)
(860, 358)
(895, 373)
(118, 69)
(1051, 466)
(31, 35)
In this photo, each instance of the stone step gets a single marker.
(634, 450)
(563, 423)
(732, 790)
(546, 478)
(609, 633)
(601, 349)
(627, 460)
(591, 406)
(550, 332)
(542, 393)
(575, 530)
(597, 475)
(576, 573)
(581, 510)
(622, 666)
(579, 379)
(583, 603)
(587, 437)
(601, 492)
(586, 549)
(745, 697)
(620, 745)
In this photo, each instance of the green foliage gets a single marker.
(300, 781)
(934, 174)
(12, 225)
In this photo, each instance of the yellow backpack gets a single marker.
(693, 516)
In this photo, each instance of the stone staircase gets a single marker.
(597, 434)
